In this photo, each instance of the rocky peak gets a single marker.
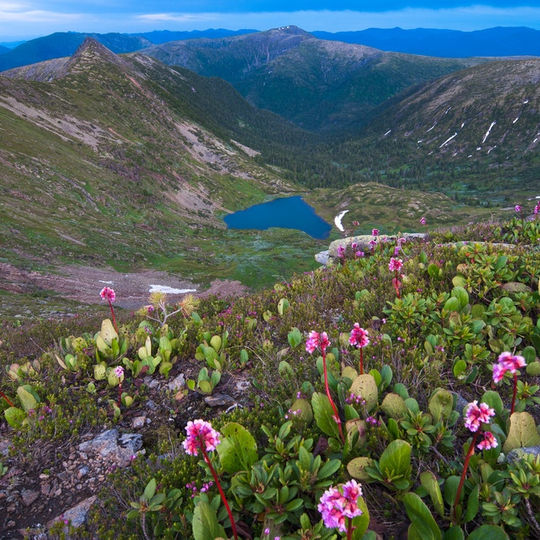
(91, 52)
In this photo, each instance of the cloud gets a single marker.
(16, 12)
(179, 17)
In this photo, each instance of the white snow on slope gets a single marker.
(487, 132)
(169, 290)
(515, 120)
(448, 140)
(337, 220)
(431, 127)
(387, 133)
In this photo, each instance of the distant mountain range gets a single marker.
(501, 41)
(512, 41)
(317, 84)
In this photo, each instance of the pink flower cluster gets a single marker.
(359, 337)
(517, 208)
(336, 505)
(108, 294)
(489, 441)
(422, 220)
(507, 362)
(315, 340)
(375, 232)
(119, 372)
(200, 432)
(395, 265)
(476, 415)
(341, 252)
(536, 209)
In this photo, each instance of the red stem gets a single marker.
(218, 484)
(397, 285)
(120, 394)
(7, 399)
(470, 452)
(361, 361)
(113, 317)
(514, 396)
(349, 529)
(338, 421)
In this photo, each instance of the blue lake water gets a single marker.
(289, 213)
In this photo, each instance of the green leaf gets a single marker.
(462, 296)
(27, 397)
(396, 459)
(454, 533)
(452, 304)
(294, 337)
(472, 504)
(493, 399)
(421, 517)
(329, 468)
(205, 524)
(150, 489)
(488, 532)
(450, 489)
(14, 417)
(238, 449)
(324, 414)
(361, 523)
(430, 484)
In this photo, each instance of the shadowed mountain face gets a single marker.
(126, 160)
(319, 85)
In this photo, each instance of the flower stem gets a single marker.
(7, 399)
(349, 529)
(120, 394)
(514, 395)
(113, 317)
(338, 421)
(470, 452)
(396, 285)
(361, 361)
(218, 484)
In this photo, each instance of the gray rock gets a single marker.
(116, 448)
(322, 257)
(177, 383)
(363, 241)
(138, 422)
(518, 453)
(151, 405)
(29, 496)
(151, 382)
(76, 515)
(83, 471)
(516, 287)
(219, 400)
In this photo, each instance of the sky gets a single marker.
(24, 19)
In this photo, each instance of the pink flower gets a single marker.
(341, 252)
(489, 441)
(356, 223)
(107, 294)
(359, 254)
(335, 506)
(200, 432)
(507, 362)
(536, 208)
(354, 245)
(375, 232)
(396, 251)
(372, 244)
(395, 264)
(359, 337)
(475, 415)
(119, 371)
(317, 340)
(422, 220)
(517, 208)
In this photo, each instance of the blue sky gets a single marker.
(30, 18)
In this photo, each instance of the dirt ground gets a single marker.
(83, 283)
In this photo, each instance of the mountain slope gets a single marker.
(163, 36)
(478, 129)
(320, 85)
(115, 161)
(501, 41)
(61, 44)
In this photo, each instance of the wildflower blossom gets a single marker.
(536, 209)
(476, 415)
(359, 337)
(119, 372)
(489, 441)
(335, 506)
(359, 254)
(356, 223)
(422, 220)
(372, 420)
(108, 294)
(317, 340)
(341, 252)
(200, 432)
(517, 208)
(375, 232)
(395, 264)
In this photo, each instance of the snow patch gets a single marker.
(492, 148)
(515, 120)
(446, 112)
(387, 133)
(462, 125)
(169, 290)
(106, 282)
(337, 220)
(431, 127)
(488, 132)
(525, 102)
(448, 140)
